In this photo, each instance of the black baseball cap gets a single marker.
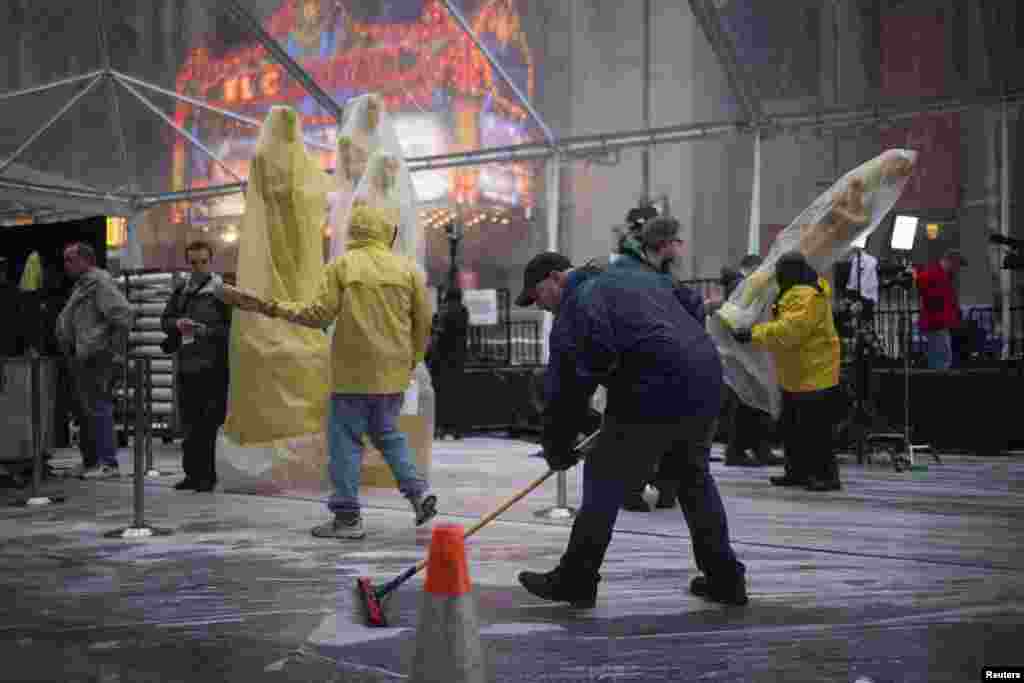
(539, 267)
(640, 215)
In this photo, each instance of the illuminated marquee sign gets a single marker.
(442, 93)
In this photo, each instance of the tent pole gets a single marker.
(754, 237)
(461, 20)
(50, 86)
(1005, 276)
(166, 119)
(284, 59)
(46, 126)
(554, 181)
(209, 107)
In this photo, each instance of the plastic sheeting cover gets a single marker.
(279, 370)
(824, 232)
(371, 169)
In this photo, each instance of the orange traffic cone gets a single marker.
(448, 636)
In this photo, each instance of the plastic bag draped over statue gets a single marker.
(372, 170)
(850, 209)
(278, 384)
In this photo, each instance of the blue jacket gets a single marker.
(627, 328)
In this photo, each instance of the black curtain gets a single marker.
(50, 239)
(37, 312)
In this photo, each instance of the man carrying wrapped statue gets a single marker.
(776, 333)
(803, 339)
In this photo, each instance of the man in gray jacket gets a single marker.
(92, 331)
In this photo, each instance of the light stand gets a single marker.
(903, 235)
(455, 233)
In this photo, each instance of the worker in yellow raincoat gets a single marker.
(803, 340)
(378, 300)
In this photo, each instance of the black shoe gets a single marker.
(558, 586)
(734, 593)
(185, 484)
(206, 486)
(787, 480)
(424, 507)
(635, 503)
(741, 461)
(823, 485)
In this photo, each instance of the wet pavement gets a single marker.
(912, 576)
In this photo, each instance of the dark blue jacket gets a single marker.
(626, 328)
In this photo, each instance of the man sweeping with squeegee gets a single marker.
(625, 328)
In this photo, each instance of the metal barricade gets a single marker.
(561, 509)
(29, 424)
(142, 451)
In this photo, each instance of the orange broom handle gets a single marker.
(489, 517)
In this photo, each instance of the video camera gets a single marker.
(892, 274)
(1014, 260)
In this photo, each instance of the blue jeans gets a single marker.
(94, 406)
(940, 349)
(627, 454)
(352, 416)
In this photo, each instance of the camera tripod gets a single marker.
(899, 446)
(862, 420)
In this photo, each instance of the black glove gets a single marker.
(743, 336)
(560, 459)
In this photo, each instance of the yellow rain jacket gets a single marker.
(379, 300)
(803, 339)
(32, 276)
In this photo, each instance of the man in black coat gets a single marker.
(448, 360)
(197, 324)
(749, 428)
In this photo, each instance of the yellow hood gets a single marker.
(369, 226)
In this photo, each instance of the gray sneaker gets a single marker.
(343, 525)
(101, 472)
(425, 507)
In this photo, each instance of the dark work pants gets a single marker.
(664, 479)
(748, 429)
(628, 453)
(808, 418)
(202, 404)
(448, 416)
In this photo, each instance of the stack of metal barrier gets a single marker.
(149, 292)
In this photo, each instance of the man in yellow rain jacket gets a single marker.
(803, 339)
(378, 300)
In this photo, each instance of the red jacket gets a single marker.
(939, 310)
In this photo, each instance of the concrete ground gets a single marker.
(913, 576)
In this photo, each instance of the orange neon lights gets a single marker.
(410, 64)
